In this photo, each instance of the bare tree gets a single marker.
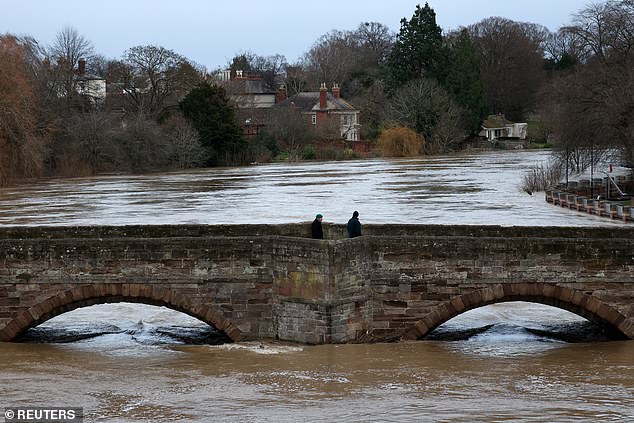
(605, 30)
(66, 51)
(23, 142)
(154, 78)
(296, 79)
(370, 97)
(184, 144)
(290, 130)
(511, 64)
(269, 68)
(143, 144)
(595, 104)
(563, 49)
(330, 129)
(90, 145)
(423, 105)
(374, 41)
(343, 56)
(330, 59)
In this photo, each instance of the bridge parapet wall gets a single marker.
(395, 281)
(302, 230)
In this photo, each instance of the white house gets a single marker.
(247, 91)
(91, 86)
(497, 126)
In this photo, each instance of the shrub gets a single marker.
(329, 153)
(399, 141)
(539, 177)
(308, 152)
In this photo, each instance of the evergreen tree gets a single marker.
(209, 111)
(463, 81)
(418, 49)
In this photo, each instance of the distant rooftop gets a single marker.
(309, 102)
(496, 121)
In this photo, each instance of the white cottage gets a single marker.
(497, 126)
(91, 86)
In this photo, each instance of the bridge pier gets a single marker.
(272, 282)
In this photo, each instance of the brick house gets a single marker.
(321, 107)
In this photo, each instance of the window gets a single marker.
(314, 119)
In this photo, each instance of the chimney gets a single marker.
(281, 93)
(323, 91)
(335, 91)
(82, 66)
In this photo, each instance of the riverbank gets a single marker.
(605, 197)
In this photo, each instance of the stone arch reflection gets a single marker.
(119, 326)
(84, 296)
(565, 298)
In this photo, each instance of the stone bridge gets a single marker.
(272, 282)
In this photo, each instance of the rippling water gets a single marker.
(463, 189)
(133, 369)
(512, 362)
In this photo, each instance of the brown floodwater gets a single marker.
(513, 362)
(133, 366)
(418, 381)
(470, 189)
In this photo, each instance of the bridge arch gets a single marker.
(565, 298)
(87, 295)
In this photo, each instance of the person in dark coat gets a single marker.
(354, 226)
(316, 229)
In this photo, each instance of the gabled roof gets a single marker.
(496, 121)
(89, 77)
(309, 102)
(242, 86)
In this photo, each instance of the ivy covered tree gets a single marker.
(418, 49)
(462, 79)
(207, 108)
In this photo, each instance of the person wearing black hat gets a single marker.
(316, 229)
(354, 226)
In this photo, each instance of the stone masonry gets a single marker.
(256, 282)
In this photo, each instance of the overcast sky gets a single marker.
(211, 32)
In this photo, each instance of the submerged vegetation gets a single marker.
(541, 176)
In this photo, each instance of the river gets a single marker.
(472, 189)
(512, 362)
